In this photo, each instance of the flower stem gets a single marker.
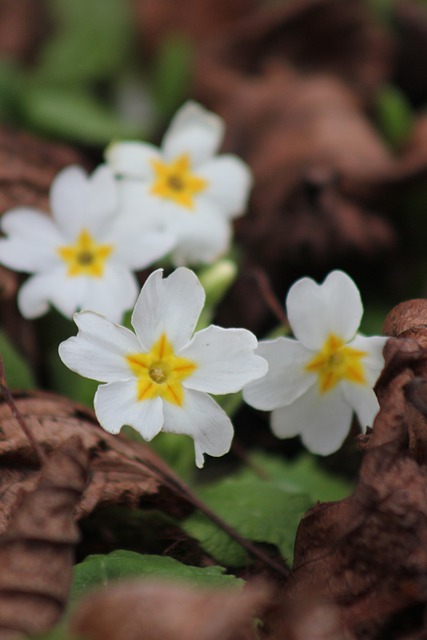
(8, 398)
(185, 493)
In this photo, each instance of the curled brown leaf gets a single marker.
(37, 543)
(169, 611)
(116, 475)
(367, 554)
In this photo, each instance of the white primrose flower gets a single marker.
(82, 256)
(157, 379)
(314, 383)
(182, 187)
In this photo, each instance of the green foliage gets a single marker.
(262, 511)
(18, 373)
(171, 75)
(99, 570)
(302, 475)
(178, 452)
(74, 113)
(394, 115)
(91, 41)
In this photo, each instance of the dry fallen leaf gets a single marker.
(37, 543)
(116, 476)
(169, 611)
(367, 554)
(27, 167)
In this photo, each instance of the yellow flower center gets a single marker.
(160, 372)
(85, 257)
(336, 362)
(175, 182)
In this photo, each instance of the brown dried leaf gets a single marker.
(316, 36)
(194, 19)
(22, 27)
(368, 553)
(28, 166)
(116, 475)
(36, 547)
(167, 611)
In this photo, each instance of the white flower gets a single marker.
(85, 254)
(182, 187)
(158, 378)
(314, 383)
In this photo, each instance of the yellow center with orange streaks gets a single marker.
(336, 362)
(174, 181)
(160, 372)
(86, 257)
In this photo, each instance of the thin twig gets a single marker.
(269, 296)
(8, 398)
(190, 497)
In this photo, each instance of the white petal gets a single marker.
(137, 202)
(116, 405)
(98, 351)
(201, 236)
(32, 242)
(316, 311)
(194, 131)
(373, 362)
(201, 418)
(229, 183)
(323, 420)
(112, 294)
(79, 201)
(54, 287)
(171, 305)
(225, 360)
(132, 159)
(286, 379)
(364, 402)
(134, 246)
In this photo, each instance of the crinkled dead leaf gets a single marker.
(116, 475)
(195, 20)
(156, 610)
(368, 553)
(22, 27)
(28, 166)
(37, 542)
(327, 36)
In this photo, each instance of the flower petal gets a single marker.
(322, 420)
(201, 418)
(136, 247)
(286, 379)
(132, 159)
(225, 360)
(364, 402)
(32, 242)
(54, 287)
(229, 182)
(201, 237)
(316, 311)
(373, 362)
(171, 305)
(195, 131)
(112, 294)
(116, 405)
(98, 351)
(81, 201)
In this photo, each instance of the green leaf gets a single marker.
(303, 475)
(258, 510)
(99, 570)
(74, 114)
(172, 73)
(91, 42)
(394, 115)
(18, 373)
